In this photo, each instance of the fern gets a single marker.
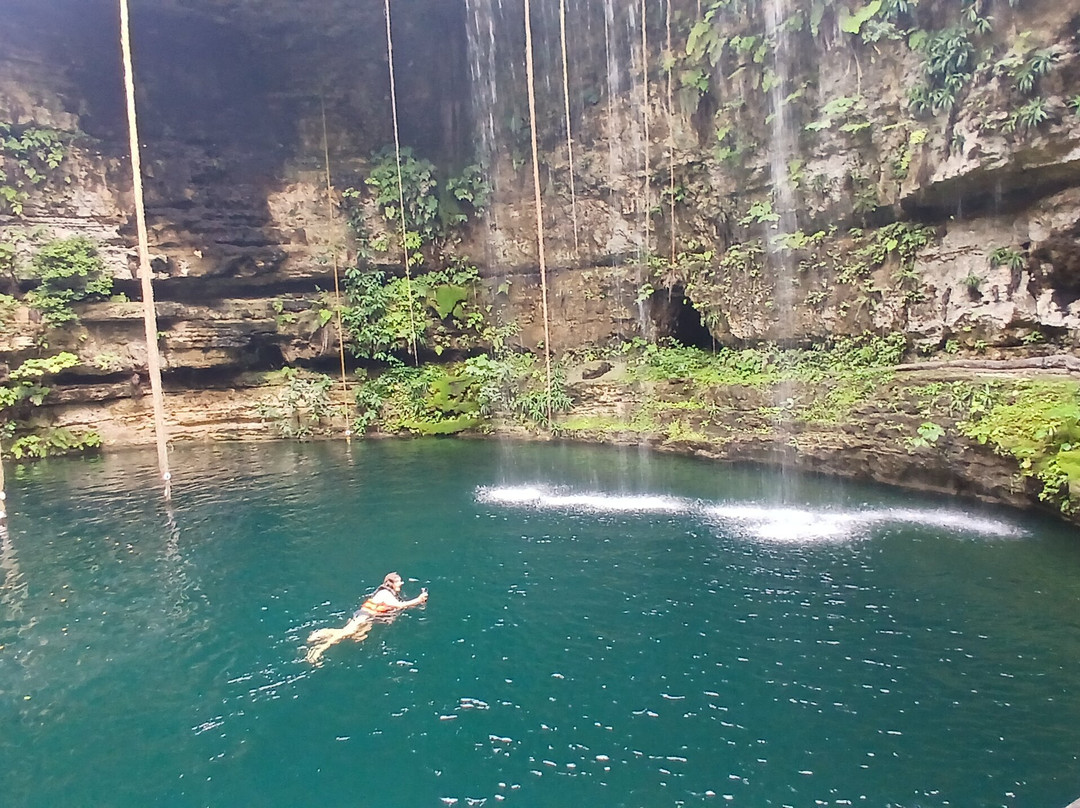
(1028, 116)
(1008, 257)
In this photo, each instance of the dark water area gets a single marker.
(606, 627)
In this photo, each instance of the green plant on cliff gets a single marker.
(533, 401)
(1027, 73)
(901, 164)
(974, 15)
(761, 212)
(865, 197)
(904, 240)
(67, 270)
(300, 406)
(852, 21)
(432, 211)
(899, 241)
(926, 436)
(435, 309)
(1027, 116)
(1013, 259)
(1038, 424)
(725, 42)
(798, 240)
(515, 385)
(768, 364)
(418, 187)
(425, 400)
(9, 306)
(700, 273)
(8, 261)
(381, 317)
(951, 55)
(949, 58)
(848, 111)
(468, 195)
(25, 390)
(24, 383)
(28, 155)
(436, 399)
(823, 384)
(54, 441)
(972, 282)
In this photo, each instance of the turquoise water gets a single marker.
(606, 628)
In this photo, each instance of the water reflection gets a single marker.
(13, 590)
(180, 588)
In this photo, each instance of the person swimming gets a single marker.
(381, 605)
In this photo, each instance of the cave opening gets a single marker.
(687, 326)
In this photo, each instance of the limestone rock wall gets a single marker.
(233, 108)
(861, 156)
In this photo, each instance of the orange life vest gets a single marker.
(370, 606)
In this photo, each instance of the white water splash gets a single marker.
(549, 499)
(763, 522)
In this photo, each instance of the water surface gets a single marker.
(606, 627)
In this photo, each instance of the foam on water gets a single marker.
(764, 522)
(550, 499)
(784, 524)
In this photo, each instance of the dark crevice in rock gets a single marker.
(216, 378)
(991, 192)
(331, 365)
(1057, 265)
(195, 291)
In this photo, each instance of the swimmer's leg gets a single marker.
(321, 639)
(361, 632)
(322, 635)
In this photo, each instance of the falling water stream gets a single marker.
(616, 159)
(564, 51)
(781, 151)
(606, 627)
(670, 110)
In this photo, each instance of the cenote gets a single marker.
(606, 627)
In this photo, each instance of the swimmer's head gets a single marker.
(393, 580)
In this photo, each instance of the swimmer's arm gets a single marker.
(408, 604)
(389, 599)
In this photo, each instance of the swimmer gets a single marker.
(383, 604)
